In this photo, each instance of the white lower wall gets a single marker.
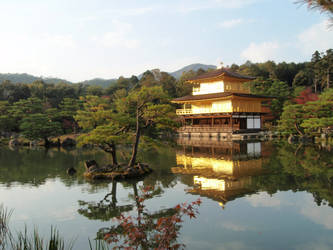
(253, 123)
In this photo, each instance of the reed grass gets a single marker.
(5, 234)
(99, 245)
(25, 241)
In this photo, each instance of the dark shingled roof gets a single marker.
(216, 95)
(218, 72)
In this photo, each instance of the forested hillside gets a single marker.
(100, 82)
(192, 67)
(26, 78)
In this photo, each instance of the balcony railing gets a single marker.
(196, 111)
(207, 129)
(210, 111)
(184, 111)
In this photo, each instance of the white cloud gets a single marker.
(38, 55)
(64, 41)
(317, 37)
(114, 13)
(188, 6)
(118, 37)
(320, 244)
(235, 245)
(132, 12)
(235, 4)
(234, 227)
(261, 52)
(322, 215)
(231, 23)
(263, 200)
(65, 214)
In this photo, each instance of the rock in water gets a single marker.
(71, 171)
(89, 164)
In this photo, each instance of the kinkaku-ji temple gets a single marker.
(221, 106)
(222, 171)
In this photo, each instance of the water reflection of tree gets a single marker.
(108, 207)
(161, 158)
(104, 209)
(299, 168)
(147, 223)
(35, 166)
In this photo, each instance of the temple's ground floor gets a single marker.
(222, 126)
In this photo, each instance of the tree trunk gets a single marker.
(114, 154)
(46, 142)
(111, 148)
(136, 195)
(136, 143)
(328, 78)
(75, 127)
(114, 193)
(298, 129)
(139, 206)
(315, 85)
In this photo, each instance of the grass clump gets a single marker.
(25, 241)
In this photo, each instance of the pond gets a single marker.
(255, 195)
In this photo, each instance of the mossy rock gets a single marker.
(117, 172)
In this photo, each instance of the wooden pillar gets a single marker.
(212, 121)
(232, 124)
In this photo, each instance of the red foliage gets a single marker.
(306, 96)
(146, 230)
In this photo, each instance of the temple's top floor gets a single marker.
(219, 81)
(217, 74)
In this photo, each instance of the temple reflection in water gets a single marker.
(221, 170)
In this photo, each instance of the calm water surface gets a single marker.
(256, 195)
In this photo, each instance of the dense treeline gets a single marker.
(303, 100)
(126, 112)
(316, 74)
(40, 110)
(122, 113)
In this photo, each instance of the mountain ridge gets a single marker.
(28, 78)
(194, 67)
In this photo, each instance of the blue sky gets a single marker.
(83, 39)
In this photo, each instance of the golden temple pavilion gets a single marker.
(220, 105)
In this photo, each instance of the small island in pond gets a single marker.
(110, 172)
